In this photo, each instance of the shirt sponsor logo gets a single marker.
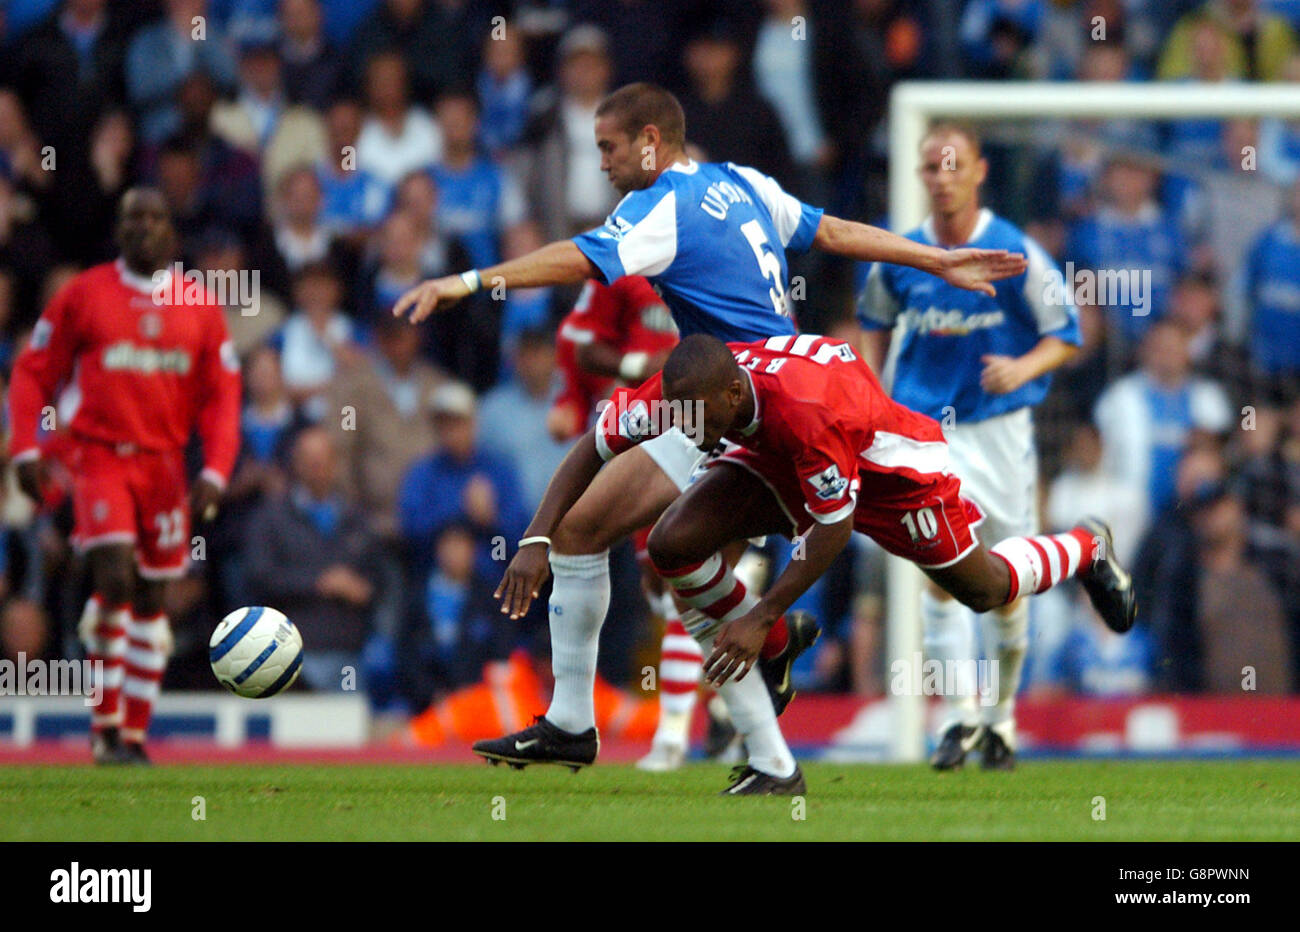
(126, 356)
(954, 323)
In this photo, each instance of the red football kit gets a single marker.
(136, 369)
(828, 442)
(628, 315)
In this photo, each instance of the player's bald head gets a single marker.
(699, 366)
(141, 197)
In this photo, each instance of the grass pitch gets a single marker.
(1054, 801)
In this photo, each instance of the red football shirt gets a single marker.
(134, 365)
(819, 410)
(627, 315)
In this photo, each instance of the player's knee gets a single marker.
(669, 544)
(114, 580)
(581, 532)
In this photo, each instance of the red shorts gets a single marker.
(136, 498)
(929, 522)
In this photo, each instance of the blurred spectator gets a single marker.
(25, 630)
(317, 339)
(161, 57)
(526, 308)
(437, 39)
(1092, 660)
(299, 236)
(724, 116)
(389, 427)
(459, 627)
(309, 555)
(397, 137)
(645, 35)
(1279, 140)
(786, 77)
(25, 249)
(1234, 641)
(477, 200)
(1271, 284)
(997, 34)
(312, 66)
(262, 122)
(1257, 43)
(1263, 477)
(353, 199)
(24, 160)
(560, 169)
(513, 416)
(504, 88)
(459, 484)
(252, 323)
(1130, 235)
(1147, 418)
(1084, 487)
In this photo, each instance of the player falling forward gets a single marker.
(712, 238)
(825, 453)
(139, 368)
(985, 362)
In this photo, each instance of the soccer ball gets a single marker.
(255, 652)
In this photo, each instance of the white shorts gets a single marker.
(997, 463)
(674, 453)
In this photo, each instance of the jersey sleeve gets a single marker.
(877, 304)
(796, 222)
(219, 411)
(828, 476)
(1049, 297)
(601, 315)
(638, 238)
(46, 363)
(629, 418)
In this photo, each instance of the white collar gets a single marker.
(158, 281)
(752, 426)
(690, 168)
(982, 221)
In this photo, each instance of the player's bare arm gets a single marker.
(558, 263)
(604, 359)
(528, 570)
(973, 269)
(1003, 374)
(737, 645)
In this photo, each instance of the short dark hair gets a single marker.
(956, 128)
(638, 105)
(697, 365)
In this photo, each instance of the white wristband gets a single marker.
(632, 366)
(539, 539)
(473, 281)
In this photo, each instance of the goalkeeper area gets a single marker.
(1257, 800)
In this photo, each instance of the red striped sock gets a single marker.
(712, 588)
(104, 635)
(146, 660)
(1039, 563)
(680, 663)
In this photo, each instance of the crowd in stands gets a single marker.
(345, 150)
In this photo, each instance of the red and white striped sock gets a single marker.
(148, 641)
(680, 664)
(718, 596)
(104, 635)
(1039, 563)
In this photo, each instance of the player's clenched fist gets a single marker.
(31, 475)
(436, 294)
(523, 580)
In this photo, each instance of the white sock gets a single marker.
(680, 666)
(579, 601)
(752, 714)
(1006, 640)
(949, 638)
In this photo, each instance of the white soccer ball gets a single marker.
(255, 652)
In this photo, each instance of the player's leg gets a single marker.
(678, 678)
(630, 492)
(948, 638)
(104, 628)
(726, 504)
(149, 644)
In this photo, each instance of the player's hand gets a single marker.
(977, 269)
(204, 499)
(736, 647)
(436, 294)
(523, 580)
(1002, 374)
(32, 476)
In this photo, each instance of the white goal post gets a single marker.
(913, 105)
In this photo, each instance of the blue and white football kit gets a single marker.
(711, 238)
(942, 334)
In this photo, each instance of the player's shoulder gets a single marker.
(996, 232)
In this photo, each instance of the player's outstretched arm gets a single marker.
(558, 263)
(527, 571)
(737, 645)
(973, 269)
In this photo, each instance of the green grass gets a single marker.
(1220, 800)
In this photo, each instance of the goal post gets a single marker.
(913, 105)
